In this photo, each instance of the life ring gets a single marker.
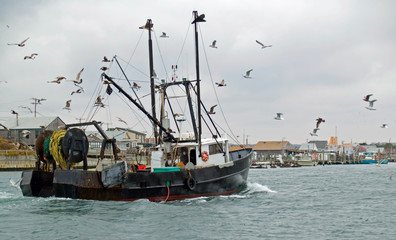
(191, 183)
(205, 156)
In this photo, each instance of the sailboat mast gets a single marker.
(149, 25)
(198, 19)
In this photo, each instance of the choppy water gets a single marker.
(322, 202)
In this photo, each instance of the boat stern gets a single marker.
(37, 183)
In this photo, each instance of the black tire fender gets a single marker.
(191, 183)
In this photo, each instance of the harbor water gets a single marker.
(322, 202)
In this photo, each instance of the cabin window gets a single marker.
(215, 148)
(183, 152)
(193, 156)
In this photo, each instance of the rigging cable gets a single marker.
(162, 59)
(214, 89)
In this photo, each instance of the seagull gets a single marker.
(136, 86)
(279, 116)
(200, 18)
(367, 97)
(67, 106)
(154, 74)
(104, 68)
(213, 45)
(105, 59)
(384, 125)
(99, 102)
(119, 119)
(25, 133)
(318, 121)
(247, 75)
(78, 79)
(221, 84)
(5, 128)
(32, 56)
(28, 108)
(58, 80)
(80, 90)
(15, 184)
(371, 104)
(164, 35)
(313, 133)
(21, 44)
(146, 26)
(39, 100)
(262, 45)
(177, 115)
(211, 111)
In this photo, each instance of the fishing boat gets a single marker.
(305, 160)
(373, 158)
(183, 166)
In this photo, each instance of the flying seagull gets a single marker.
(32, 56)
(80, 90)
(136, 86)
(367, 97)
(371, 104)
(164, 35)
(211, 111)
(262, 45)
(21, 44)
(177, 115)
(313, 133)
(99, 102)
(247, 74)
(1, 125)
(221, 84)
(28, 108)
(58, 80)
(105, 59)
(67, 105)
(104, 68)
(318, 121)
(15, 184)
(25, 133)
(384, 125)
(279, 116)
(213, 45)
(121, 120)
(78, 79)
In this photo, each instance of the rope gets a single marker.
(167, 197)
(55, 147)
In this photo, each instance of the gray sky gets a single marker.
(326, 56)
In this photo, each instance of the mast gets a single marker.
(169, 136)
(148, 26)
(197, 18)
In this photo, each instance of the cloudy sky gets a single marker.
(325, 56)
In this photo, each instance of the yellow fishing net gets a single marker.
(56, 148)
